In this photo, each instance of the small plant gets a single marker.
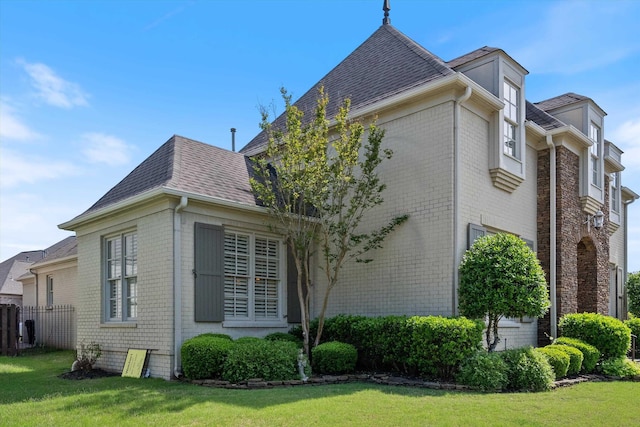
(620, 367)
(87, 356)
(558, 359)
(484, 371)
(590, 354)
(334, 358)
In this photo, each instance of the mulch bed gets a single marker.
(87, 375)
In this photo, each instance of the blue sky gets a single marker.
(89, 89)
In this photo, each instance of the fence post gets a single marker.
(9, 329)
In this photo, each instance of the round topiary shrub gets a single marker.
(558, 359)
(527, 370)
(590, 354)
(204, 356)
(334, 358)
(575, 358)
(484, 371)
(257, 358)
(607, 334)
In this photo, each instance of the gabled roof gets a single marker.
(542, 118)
(386, 64)
(189, 166)
(561, 100)
(471, 56)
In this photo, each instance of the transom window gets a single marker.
(252, 277)
(594, 135)
(511, 115)
(121, 267)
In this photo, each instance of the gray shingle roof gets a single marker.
(190, 166)
(561, 101)
(63, 249)
(478, 53)
(386, 64)
(542, 118)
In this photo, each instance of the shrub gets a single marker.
(87, 356)
(440, 344)
(283, 336)
(575, 358)
(620, 367)
(247, 340)
(268, 360)
(484, 371)
(633, 293)
(334, 358)
(203, 356)
(216, 335)
(607, 334)
(634, 325)
(558, 359)
(527, 370)
(590, 354)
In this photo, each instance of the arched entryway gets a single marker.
(587, 275)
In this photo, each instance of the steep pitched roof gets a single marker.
(188, 166)
(387, 63)
(542, 118)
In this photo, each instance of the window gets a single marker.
(49, 291)
(252, 277)
(121, 267)
(594, 135)
(615, 192)
(511, 116)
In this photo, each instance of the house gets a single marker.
(10, 270)
(181, 246)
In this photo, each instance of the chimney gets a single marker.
(233, 139)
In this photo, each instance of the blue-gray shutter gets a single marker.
(293, 303)
(208, 273)
(475, 231)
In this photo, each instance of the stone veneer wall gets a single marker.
(582, 261)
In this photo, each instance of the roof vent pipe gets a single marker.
(233, 139)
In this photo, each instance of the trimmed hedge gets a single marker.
(620, 367)
(558, 359)
(590, 354)
(204, 356)
(283, 336)
(527, 370)
(607, 334)
(257, 358)
(484, 371)
(575, 358)
(440, 344)
(334, 358)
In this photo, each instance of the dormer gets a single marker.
(612, 168)
(497, 72)
(586, 116)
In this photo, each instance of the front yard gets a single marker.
(31, 394)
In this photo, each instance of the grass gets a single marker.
(31, 394)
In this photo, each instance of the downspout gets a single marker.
(552, 237)
(177, 284)
(456, 192)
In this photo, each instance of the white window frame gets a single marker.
(49, 291)
(511, 120)
(248, 300)
(120, 295)
(595, 134)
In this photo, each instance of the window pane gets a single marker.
(131, 254)
(132, 298)
(115, 299)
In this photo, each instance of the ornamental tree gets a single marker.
(317, 189)
(501, 277)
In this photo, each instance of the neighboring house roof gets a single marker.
(386, 64)
(542, 118)
(63, 249)
(190, 166)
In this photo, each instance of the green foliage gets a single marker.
(607, 334)
(203, 356)
(484, 371)
(501, 277)
(633, 293)
(634, 325)
(269, 360)
(575, 358)
(216, 335)
(283, 336)
(247, 340)
(318, 189)
(558, 359)
(87, 356)
(334, 358)
(440, 344)
(620, 367)
(590, 354)
(527, 370)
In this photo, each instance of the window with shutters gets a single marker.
(252, 277)
(121, 277)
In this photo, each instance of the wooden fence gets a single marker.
(9, 329)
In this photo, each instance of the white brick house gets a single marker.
(180, 246)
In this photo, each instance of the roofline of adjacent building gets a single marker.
(153, 194)
(47, 263)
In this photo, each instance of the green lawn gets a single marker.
(32, 395)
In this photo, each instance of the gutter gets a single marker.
(456, 193)
(552, 237)
(177, 284)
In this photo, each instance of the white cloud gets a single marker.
(53, 89)
(627, 137)
(21, 169)
(12, 126)
(101, 148)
